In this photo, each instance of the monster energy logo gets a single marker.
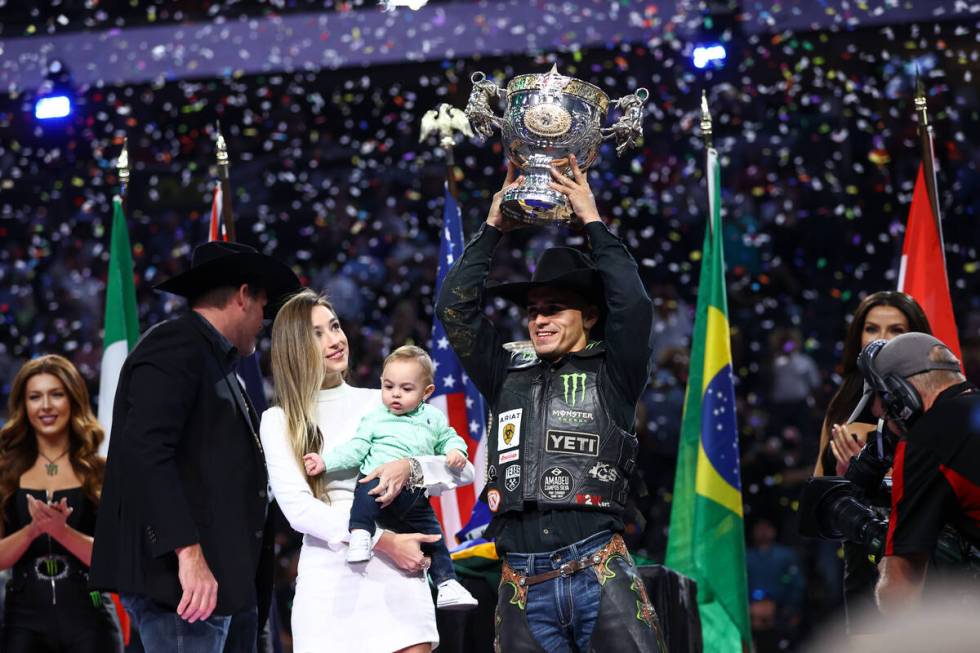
(51, 567)
(570, 382)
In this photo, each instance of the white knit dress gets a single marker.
(372, 608)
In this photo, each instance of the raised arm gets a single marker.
(305, 512)
(460, 304)
(629, 311)
(629, 317)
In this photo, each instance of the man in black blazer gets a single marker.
(181, 530)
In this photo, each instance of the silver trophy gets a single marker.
(548, 118)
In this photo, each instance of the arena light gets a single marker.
(709, 53)
(52, 107)
(414, 5)
(55, 97)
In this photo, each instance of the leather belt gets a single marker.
(564, 571)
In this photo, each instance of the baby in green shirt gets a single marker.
(403, 427)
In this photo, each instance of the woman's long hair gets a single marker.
(18, 443)
(846, 397)
(298, 373)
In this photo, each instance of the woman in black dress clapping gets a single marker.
(50, 480)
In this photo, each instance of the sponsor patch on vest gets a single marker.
(580, 444)
(573, 387)
(491, 473)
(604, 472)
(493, 500)
(556, 483)
(512, 477)
(592, 500)
(570, 416)
(509, 456)
(509, 429)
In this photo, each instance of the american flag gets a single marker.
(249, 372)
(217, 224)
(455, 394)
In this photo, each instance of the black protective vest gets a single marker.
(552, 440)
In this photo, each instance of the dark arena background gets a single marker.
(321, 102)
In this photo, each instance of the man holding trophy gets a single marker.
(560, 446)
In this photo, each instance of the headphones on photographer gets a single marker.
(900, 399)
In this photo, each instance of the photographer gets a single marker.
(918, 389)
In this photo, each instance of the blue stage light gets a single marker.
(52, 106)
(709, 53)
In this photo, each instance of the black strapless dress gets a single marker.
(49, 607)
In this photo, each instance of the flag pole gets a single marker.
(707, 133)
(227, 219)
(445, 121)
(928, 156)
(123, 164)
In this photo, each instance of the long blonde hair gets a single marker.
(18, 443)
(297, 373)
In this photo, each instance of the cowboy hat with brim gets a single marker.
(218, 263)
(564, 268)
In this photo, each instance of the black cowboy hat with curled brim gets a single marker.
(560, 267)
(218, 263)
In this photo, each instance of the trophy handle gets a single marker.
(629, 127)
(481, 116)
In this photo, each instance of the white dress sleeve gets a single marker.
(439, 478)
(305, 512)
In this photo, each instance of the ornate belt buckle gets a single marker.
(565, 570)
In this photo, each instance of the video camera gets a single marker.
(837, 508)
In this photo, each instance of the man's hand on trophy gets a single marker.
(496, 218)
(578, 192)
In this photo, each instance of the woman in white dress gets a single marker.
(384, 605)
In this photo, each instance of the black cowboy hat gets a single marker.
(560, 267)
(219, 263)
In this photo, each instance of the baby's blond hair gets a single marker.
(411, 352)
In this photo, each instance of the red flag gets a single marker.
(216, 222)
(923, 269)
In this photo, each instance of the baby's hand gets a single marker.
(456, 459)
(314, 464)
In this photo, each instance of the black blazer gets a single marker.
(185, 466)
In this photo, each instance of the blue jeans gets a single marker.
(409, 512)
(163, 631)
(561, 613)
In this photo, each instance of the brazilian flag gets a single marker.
(706, 539)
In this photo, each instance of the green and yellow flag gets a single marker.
(706, 539)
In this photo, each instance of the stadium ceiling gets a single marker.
(370, 36)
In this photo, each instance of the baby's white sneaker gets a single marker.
(359, 549)
(453, 596)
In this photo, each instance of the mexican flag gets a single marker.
(121, 326)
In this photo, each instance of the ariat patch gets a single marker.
(509, 429)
